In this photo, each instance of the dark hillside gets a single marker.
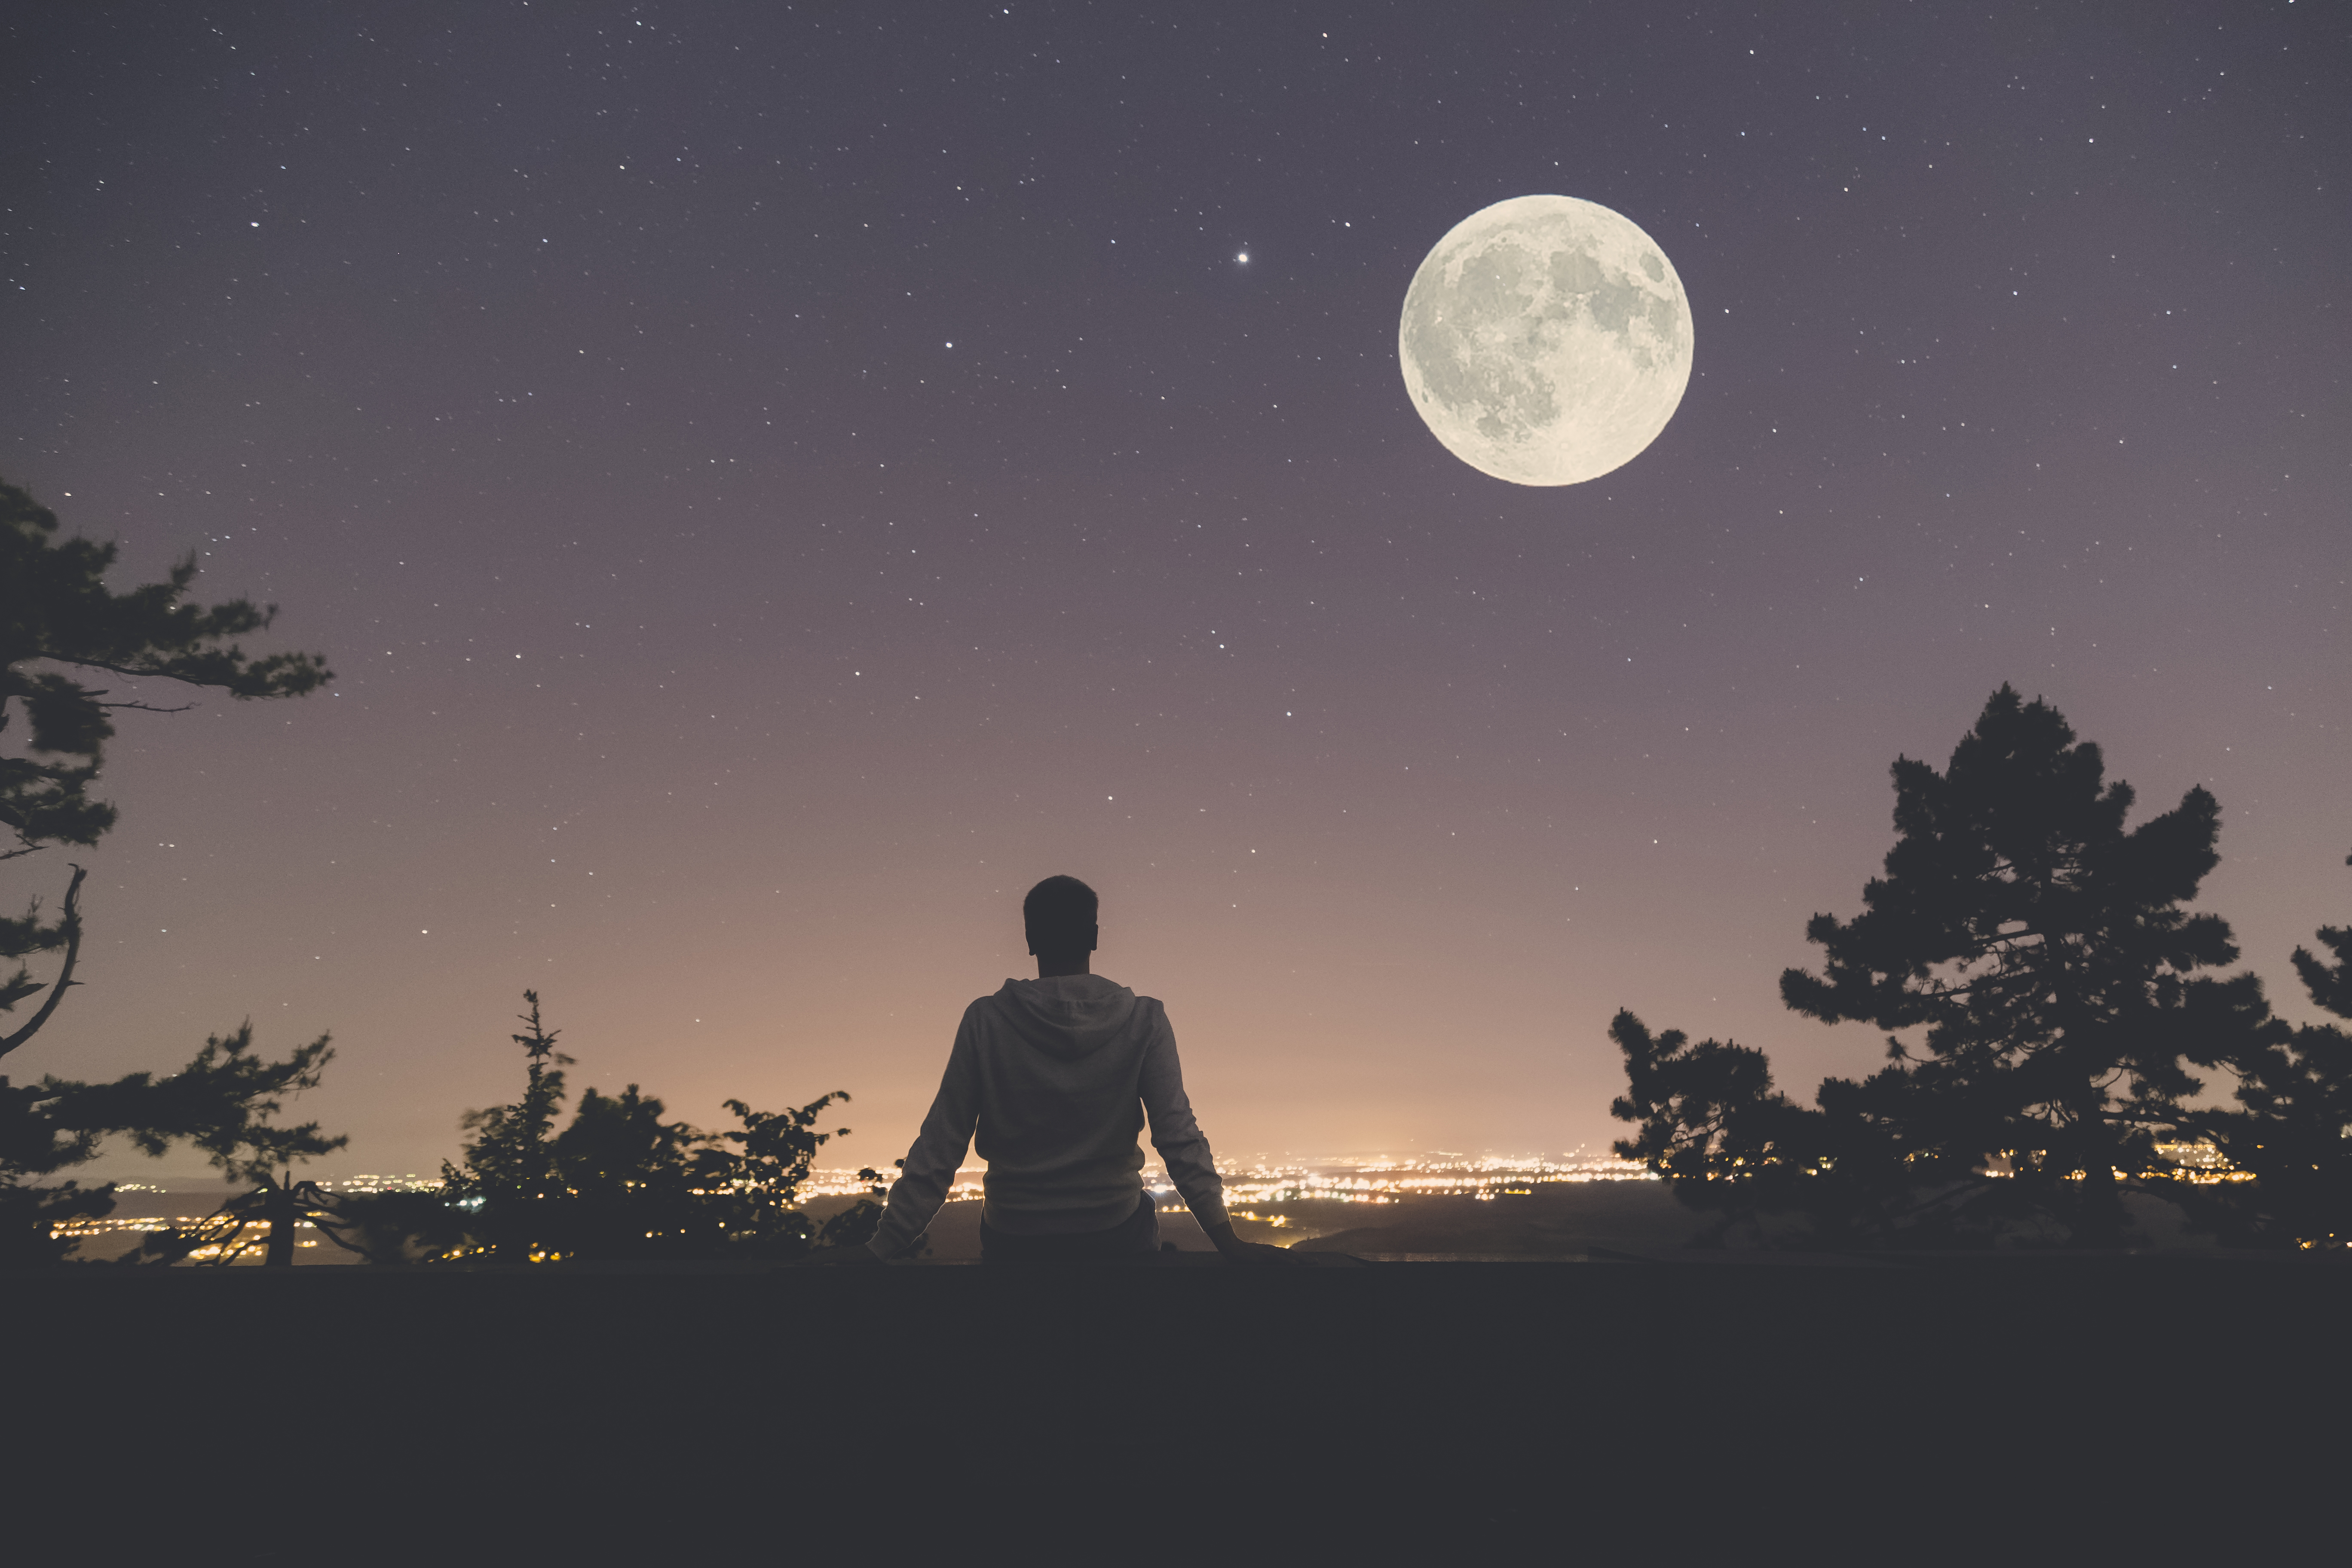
(1431, 1407)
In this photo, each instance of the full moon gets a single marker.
(1545, 341)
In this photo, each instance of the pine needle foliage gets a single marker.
(63, 632)
(2293, 1132)
(60, 626)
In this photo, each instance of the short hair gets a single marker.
(1059, 916)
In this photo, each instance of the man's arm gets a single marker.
(938, 1152)
(1184, 1149)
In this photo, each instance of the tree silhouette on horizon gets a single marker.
(2041, 991)
(621, 1180)
(2293, 1129)
(237, 1137)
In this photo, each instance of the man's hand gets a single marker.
(1233, 1249)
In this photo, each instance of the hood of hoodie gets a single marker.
(1069, 1015)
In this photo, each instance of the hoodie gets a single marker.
(1053, 1080)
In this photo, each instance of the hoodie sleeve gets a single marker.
(1182, 1147)
(931, 1164)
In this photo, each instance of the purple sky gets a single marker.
(773, 483)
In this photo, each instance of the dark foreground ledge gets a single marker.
(1515, 1402)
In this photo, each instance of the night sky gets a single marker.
(773, 482)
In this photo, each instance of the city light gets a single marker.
(1361, 1179)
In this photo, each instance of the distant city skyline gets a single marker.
(774, 485)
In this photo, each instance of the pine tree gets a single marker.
(2038, 985)
(2293, 1131)
(222, 1103)
(622, 1180)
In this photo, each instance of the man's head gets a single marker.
(1059, 915)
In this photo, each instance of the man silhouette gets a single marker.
(1056, 1075)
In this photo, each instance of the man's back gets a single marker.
(1058, 1068)
(1053, 1078)
(1056, 1077)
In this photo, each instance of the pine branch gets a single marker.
(71, 925)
